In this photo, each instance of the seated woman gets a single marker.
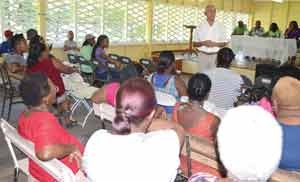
(16, 61)
(286, 104)
(39, 60)
(41, 127)
(102, 58)
(249, 145)
(136, 149)
(197, 121)
(274, 31)
(86, 52)
(166, 80)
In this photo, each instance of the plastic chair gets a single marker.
(114, 57)
(54, 167)
(125, 60)
(10, 92)
(72, 58)
(148, 65)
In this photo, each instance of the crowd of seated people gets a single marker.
(144, 145)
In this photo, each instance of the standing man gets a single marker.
(70, 46)
(210, 37)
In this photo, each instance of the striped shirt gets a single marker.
(225, 88)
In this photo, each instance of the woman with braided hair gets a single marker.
(195, 119)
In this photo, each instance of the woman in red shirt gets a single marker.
(39, 60)
(41, 127)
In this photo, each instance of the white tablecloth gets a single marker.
(265, 48)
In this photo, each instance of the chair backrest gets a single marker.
(72, 58)
(148, 64)
(114, 57)
(145, 62)
(165, 99)
(81, 59)
(54, 167)
(111, 66)
(5, 78)
(125, 60)
(201, 150)
(104, 111)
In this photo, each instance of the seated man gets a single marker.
(16, 61)
(286, 103)
(241, 29)
(226, 83)
(6, 46)
(41, 127)
(70, 46)
(258, 30)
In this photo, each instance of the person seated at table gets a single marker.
(274, 31)
(241, 29)
(166, 80)
(226, 84)
(258, 30)
(16, 61)
(136, 148)
(195, 119)
(6, 46)
(70, 46)
(39, 60)
(99, 54)
(37, 124)
(293, 31)
(286, 104)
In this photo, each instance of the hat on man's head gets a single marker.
(286, 92)
(89, 36)
(8, 33)
(250, 143)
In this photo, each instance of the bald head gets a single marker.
(210, 12)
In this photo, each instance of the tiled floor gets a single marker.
(6, 163)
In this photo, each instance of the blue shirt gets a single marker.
(290, 159)
(6, 47)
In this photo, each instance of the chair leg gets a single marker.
(16, 174)
(9, 107)
(3, 104)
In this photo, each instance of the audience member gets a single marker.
(258, 30)
(166, 80)
(86, 52)
(70, 46)
(39, 60)
(136, 142)
(6, 46)
(241, 29)
(87, 47)
(41, 127)
(226, 84)
(16, 61)
(274, 31)
(195, 119)
(286, 103)
(102, 58)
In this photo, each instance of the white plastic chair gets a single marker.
(105, 112)
(165, 99)
(54, 167)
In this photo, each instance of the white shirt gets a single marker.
(137, 157)
(215, 33)
(225, 88)
(71, 44)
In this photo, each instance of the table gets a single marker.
(263, 47)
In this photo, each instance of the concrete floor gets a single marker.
(6, 163)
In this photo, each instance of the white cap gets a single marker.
(250, 143)
(89, 36)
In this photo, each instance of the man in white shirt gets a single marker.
(70, 46)
(210, 37)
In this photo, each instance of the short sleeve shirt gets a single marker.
(215, 33)
(72, 45)
(135, 157)
(15, 59)
(42, 128)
